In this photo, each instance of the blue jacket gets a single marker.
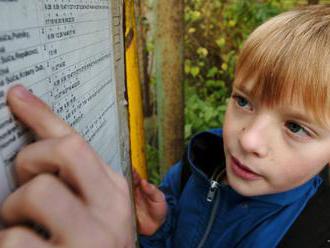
(195, 221)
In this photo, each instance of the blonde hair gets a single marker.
(287, 59)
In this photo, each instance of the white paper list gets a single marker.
(62, 51)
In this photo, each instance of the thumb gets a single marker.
(136, 178)
(152, 192)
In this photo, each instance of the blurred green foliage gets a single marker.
(215, 31)
(153, 164)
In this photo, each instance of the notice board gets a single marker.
(70, 54)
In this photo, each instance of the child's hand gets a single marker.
(65, 187)
(151, 206)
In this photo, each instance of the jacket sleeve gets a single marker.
(170, 186)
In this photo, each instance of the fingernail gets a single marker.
(22, 93)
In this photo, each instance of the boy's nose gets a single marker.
(253, 138)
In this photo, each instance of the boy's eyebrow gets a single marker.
(242, 88)
(298, 115)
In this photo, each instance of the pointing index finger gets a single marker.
(36, 114)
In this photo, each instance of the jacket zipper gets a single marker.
(215, 184)
(212, 191)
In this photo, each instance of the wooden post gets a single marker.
(313, 2)
(168, 57)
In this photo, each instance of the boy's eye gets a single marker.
(241, 101)
(296, 128)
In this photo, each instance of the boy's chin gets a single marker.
(244, 188)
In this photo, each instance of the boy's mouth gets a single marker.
(242, 171)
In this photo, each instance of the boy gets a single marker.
(276, 139)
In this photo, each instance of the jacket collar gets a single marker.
(205, 153)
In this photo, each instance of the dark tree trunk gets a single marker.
(141, 10)
(313, 2)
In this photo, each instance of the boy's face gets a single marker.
(270, 150)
